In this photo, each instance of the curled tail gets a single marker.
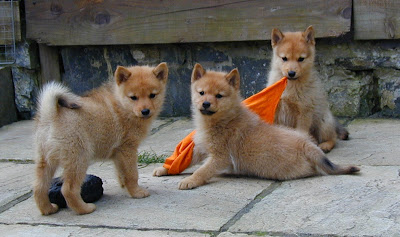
(54, 95)
(330, 168)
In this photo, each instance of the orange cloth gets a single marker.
(263, 103)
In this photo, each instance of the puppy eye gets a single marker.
(201, 92)
(284, 59)
(219, 96)
(152, 96)
(300, 59)
(134, 98)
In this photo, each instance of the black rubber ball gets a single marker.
(91, 190)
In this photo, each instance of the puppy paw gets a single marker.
(326, 146)
(140, 193)
(52, 209)
(161, 171)
(86, 209)
(188, 183)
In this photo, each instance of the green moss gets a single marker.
(148, 157)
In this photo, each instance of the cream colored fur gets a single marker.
(303, 104)
(239, 142)
(72, 131)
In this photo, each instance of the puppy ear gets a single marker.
(121, 75)
(233, 78)
(198, 72)
(161, 71)
(276, 37)
(309, 35)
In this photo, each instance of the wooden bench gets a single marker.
(110, 22)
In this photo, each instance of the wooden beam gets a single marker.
(6, 30)
(108, 22)
(49, 64)
(376, 19)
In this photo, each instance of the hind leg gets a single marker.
(44, 174)
(327, 133)
(327, 138)
(327, 146)
(341, 131)
(74, 174)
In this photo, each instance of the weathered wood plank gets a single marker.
(376, 19)
(49, 64)
(6, 35)
(105, 22)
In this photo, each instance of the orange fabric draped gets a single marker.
(263, 103)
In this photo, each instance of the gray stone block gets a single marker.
(85, 68)
(8, 112)
(346, 90)
(346, 68)
(389, 91)
(26, 90)
(88, 67)
(27, 54)
(179, 60)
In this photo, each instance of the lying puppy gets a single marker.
(108, 123)
(239, 142)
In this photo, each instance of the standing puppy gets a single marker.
(239, 142)
(108, 123)
(303, 104)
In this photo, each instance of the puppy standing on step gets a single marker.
(239, 142)
(303, 104)
(108, 123)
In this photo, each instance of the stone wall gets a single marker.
(26, 73)
(361, 78)
(8, 112)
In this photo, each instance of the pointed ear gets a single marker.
(198, 72)
(309, 35)
(276, 37)
(233, 78)
(161, 71)
(121, 75)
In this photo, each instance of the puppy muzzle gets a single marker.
(206, 112)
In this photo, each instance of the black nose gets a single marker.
(146, 112)
(206, 104)
(292, 73)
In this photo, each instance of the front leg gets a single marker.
(126, 163)
(209, 169)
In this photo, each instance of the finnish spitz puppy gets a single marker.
(239, 142)
(303, 104)
(107, 123)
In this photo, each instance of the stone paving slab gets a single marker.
(355, 205)
(16, 141)
(362, 205)
(57, 231)
(163, 142)
(15, 183)
(204, 209)
(372, 142)
(256, 234)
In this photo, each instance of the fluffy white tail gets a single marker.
(53, 95)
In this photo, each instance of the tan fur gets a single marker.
(303, 104)
(72, 131)
(239, 142)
